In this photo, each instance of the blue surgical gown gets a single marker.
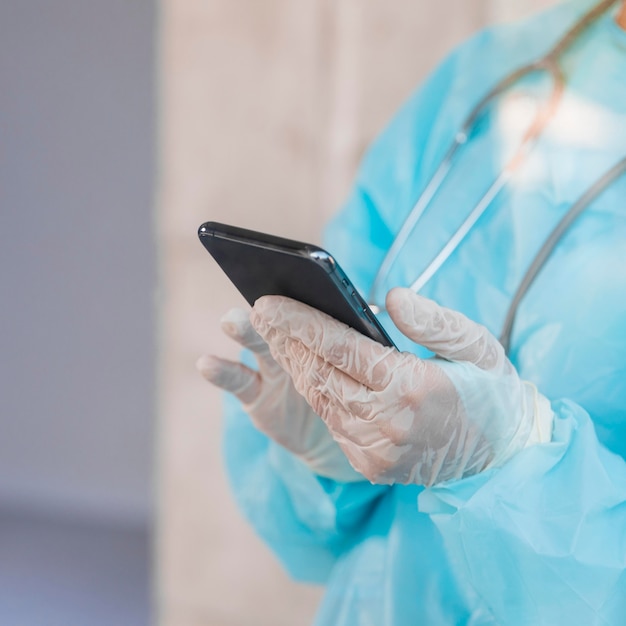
(541, 540)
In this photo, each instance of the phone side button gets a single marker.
(357, 299)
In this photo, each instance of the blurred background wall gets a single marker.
(266, 108)
(77, 281)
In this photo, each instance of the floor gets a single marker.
(56, 572)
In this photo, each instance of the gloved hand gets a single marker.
(273, 404)
(399, 418)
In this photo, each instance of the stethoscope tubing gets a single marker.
(546, 250)
(437, 180)
(550, 65)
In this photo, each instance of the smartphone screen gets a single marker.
(259, 264)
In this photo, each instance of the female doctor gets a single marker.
(477, 475)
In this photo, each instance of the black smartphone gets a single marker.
(259, 264)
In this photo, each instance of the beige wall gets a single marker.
(266, 109)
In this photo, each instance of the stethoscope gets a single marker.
(548, 64)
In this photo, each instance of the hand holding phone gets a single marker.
(272, 402)
(262, 265)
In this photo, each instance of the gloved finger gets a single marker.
(445, 332)
(361, 358)
(339, 412)
(361, 441)
(321, 383)
(344, 426)
(236, 378)
(312, 373)
(236, 324)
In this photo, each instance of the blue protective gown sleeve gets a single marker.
(306, 519)
(541, 540)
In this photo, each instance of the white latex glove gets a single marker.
(399, 418)
(273, 404)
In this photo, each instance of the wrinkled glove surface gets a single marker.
(273, 404)
(399, 418)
